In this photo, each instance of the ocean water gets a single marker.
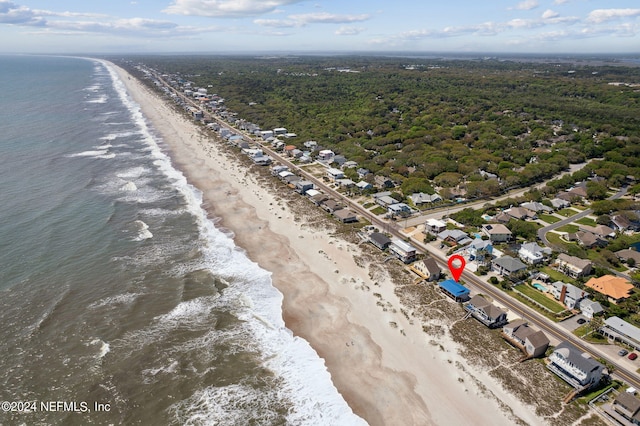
(120, 301)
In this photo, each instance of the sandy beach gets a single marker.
(381, 360)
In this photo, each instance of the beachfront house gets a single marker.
(345, 215)
(485, 312)
(518, 333)
(532, 253)
(628, 406)
(403, 250)
(302, 186)
(568, 294)
(574, 367)
(331, 206)
(379, 240)
(427, 269)
(618, 329)
(454, 290)
(497, 232)
(615, 288)
(572, 266)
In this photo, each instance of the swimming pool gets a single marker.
(540, 287)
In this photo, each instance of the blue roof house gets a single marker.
(456, 291)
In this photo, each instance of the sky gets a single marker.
(289, 26)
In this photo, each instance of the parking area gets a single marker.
(574, 322)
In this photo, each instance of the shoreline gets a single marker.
(387, 374)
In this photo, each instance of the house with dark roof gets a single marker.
(427, 269)
(520, 213)
(536, 207)
(572, 266)
(507, 265)
(601, 231)
(628, 406)
(331, 205)
(586, 239)
(345, 215)
(518, 333)
(575, 367)
(627, 254)
(454, 290)
(485, 312)
(379, 240)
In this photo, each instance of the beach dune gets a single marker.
(382, 362)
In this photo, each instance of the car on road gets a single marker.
(623, 352)
(581, 320)
(633, 356)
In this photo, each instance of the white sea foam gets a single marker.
(105, 348)
(129, 187)
(120, 299)
(102, 99)
(305, 379)
(94, 154)
(143, 231)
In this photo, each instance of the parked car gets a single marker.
(581, 320)
(623, 352)
(633, 356)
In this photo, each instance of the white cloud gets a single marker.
(311, 18)
(11, 13)
(560, 1)
(548, 14)
(527, 5)
(347, 31)
(226, 8)
(602, 15)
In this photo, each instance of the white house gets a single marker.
(532, 253)
(574, 367)
(403, 250)
(568, 294)
(497, 232)
(590, 308)
(335, 174)
(435, 226)
(326, 155)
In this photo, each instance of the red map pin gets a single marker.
(456, 266)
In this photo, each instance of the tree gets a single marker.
(522, 229)
(604, 219)
(596, 191)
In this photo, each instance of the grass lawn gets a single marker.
(549, 218)
(368, 204)
(539, 297)
(556, 276)
(586, 333)
(379, 210)
(596, 257)
(567, 212)
(586, 221)
(568, 228)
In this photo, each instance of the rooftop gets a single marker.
(614, 287)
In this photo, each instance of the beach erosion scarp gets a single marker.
(380, 360)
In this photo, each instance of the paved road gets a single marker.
(542, 232)
(524, 311)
